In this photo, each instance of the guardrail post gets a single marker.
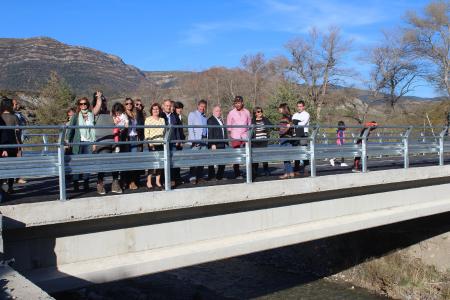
(45, 140)
(364, 150)
(406, 148)
(62, 165)
(441, 145)
(167, 159)
(248, 156)
(312, 150)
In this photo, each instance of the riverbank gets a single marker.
(421, 271)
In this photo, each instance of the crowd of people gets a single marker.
(107, 125)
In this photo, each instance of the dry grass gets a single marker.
(400, 277)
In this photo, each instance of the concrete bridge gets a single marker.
(62, 245)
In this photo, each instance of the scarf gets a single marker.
(86, 134)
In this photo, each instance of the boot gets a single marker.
(115, 187)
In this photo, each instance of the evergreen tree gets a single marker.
(55, 98)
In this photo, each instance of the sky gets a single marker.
(198, 34)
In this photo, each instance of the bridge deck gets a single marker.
(47, 189)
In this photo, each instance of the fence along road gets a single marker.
(47, 158)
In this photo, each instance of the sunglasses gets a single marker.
(82, 103)
(258, 111)
(129, 103)
(138, 105)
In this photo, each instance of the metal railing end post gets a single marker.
(248, 156)
(406, 147)
(441, 145)
(167, 159)
(62, 164)
(312, 151)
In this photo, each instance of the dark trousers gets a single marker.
(237, 144)
(131, 176)
(176, 171)
(212, 172)
(256, 167)
(196, 172)
(101, 175)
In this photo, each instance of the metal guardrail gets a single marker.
(398, 142)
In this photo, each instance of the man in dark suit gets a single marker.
(171, 118)
(216, 134)
(178, 107)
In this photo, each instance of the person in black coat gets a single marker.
(260, 136)
(4, 138)
(8, 136)
(171, 118)
(216, 134)
(3, 153)
(178, 107)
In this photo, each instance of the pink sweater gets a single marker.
(236, 117)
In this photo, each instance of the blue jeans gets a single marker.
(196, 172)
(84, 149)
(287, 164)
(133, 147)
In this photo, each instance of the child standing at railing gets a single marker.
(340, 140)
(368, 127)
(120, 119)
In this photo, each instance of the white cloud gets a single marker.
(291, 16)
(299, 16)
(203, 33)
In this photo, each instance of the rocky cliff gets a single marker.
(25, 65)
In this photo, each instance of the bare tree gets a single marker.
(429, 38)
(314, 61)
(395, 72)
(256, 65)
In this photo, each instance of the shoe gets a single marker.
(10, 190)
(356, 171)
(133, 186)
(193, 180)
(344, 165)
(292, 175)
(201, 180)
(101, 189)
(21, 181)
(115, 187)
(159, 188)
(239, 177)
(173, 184)
(332, 162)
(150, 188)
(267, 173)
(285, 176)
